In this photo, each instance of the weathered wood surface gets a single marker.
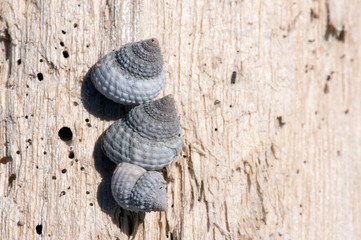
(271, 153)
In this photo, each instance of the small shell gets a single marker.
(150, 136)
(136, 189)
(134, 74)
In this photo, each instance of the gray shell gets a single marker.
(150, 136)
(132, 75)
(136, 189)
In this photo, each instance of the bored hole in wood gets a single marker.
(40, 76)
(71, 155)
(65, 54)
(12, 178)
(39, 229)
(5, 160)
(65, 134)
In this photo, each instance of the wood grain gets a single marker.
(269, 98)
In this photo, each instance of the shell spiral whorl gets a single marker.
(136, 189)
(150, 136)
(132, 75)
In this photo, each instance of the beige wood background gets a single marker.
(274, 155)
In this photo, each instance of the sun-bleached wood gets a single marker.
(269, 98)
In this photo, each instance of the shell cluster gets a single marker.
(149, 137)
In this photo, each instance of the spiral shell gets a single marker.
(136, 189)
(150, 136)
(132, 75)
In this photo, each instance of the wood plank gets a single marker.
(269, 98)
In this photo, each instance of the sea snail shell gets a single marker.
(132, 75)
(150, 136)
(136, 189)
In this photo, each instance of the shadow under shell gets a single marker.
(127, 221)
(98, 105)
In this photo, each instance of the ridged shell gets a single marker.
(136, 189)
(150, 136)
(132, 75)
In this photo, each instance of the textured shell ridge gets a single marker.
(149, 192)
(162, 109)
(152, 129)
(130, 147)
(139, 61)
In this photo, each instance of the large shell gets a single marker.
(136, 189)
(134, 74)
(150, 136)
